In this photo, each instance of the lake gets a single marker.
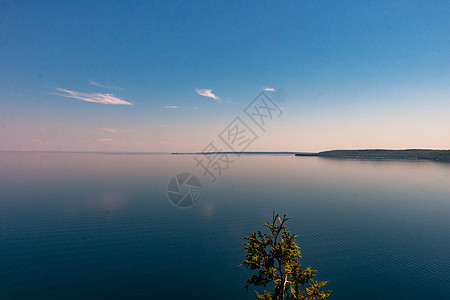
(101, 226)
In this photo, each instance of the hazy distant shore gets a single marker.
(238, 153)
(378, 154)
(372, 154)
(410, 154)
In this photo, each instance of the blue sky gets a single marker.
(347, 74)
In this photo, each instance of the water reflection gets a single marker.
(101, 226)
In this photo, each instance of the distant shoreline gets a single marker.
(371, 154)
(368, 154)
(237, 153)
(377, 154)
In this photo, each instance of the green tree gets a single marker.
(275, 256)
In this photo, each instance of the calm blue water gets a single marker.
(97, 226)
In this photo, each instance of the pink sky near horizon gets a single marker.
(302, 127)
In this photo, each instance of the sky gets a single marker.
(173, 76)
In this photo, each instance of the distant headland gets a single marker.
(237, 153)
(412, 154)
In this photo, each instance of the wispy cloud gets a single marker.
(171, 106)
(104, 140)
(44, 142)
(110, 130)
(93, 97)
(269, 89)
(105, 86)
(176, 144)
(207, 93)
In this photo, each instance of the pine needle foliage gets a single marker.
(275, 257)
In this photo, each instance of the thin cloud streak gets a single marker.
(207, 93)
(176, 144)
(171, 106)
(110, 130)
(93, 97)
(269, 89)
(105, 86)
